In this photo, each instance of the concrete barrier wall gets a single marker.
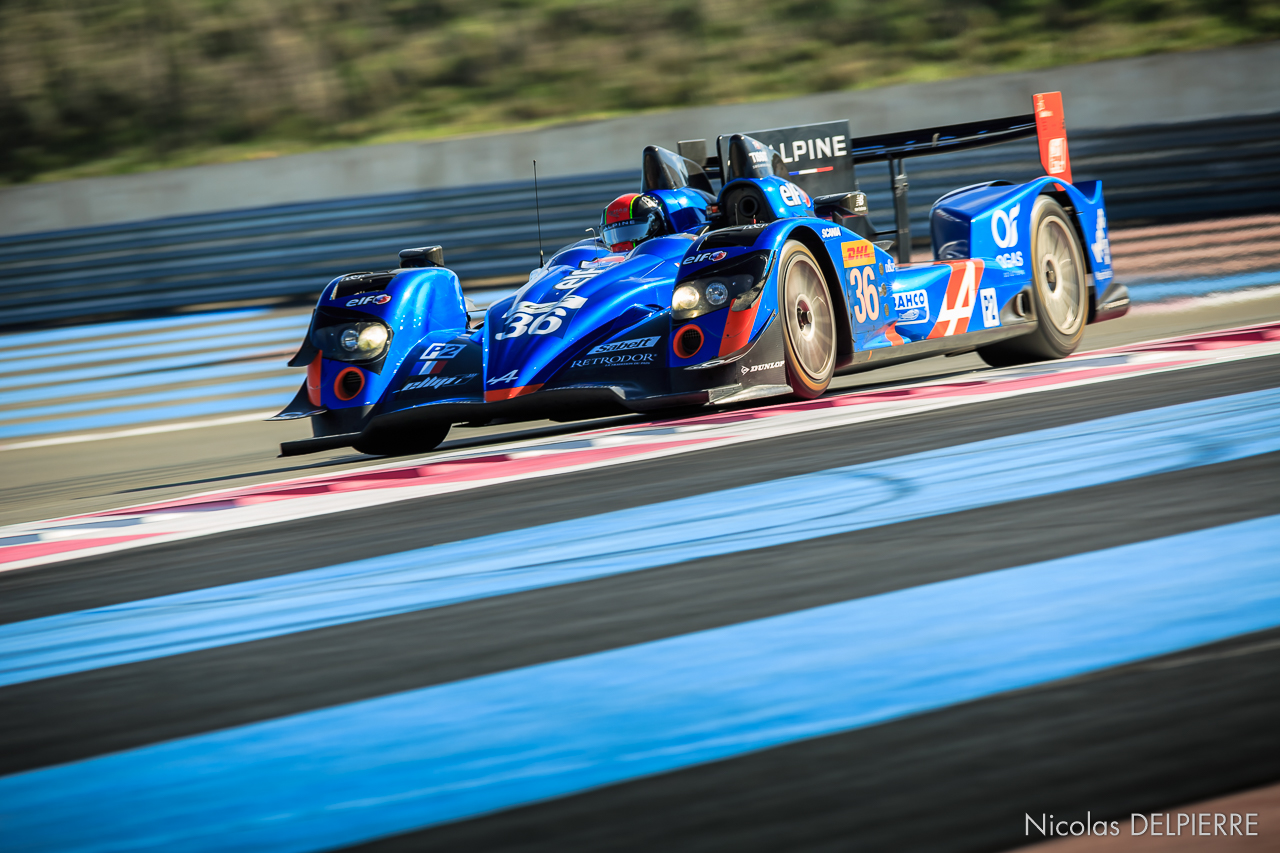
(1119, 93)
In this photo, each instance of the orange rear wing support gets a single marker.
(1051, 131)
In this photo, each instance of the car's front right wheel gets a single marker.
(809, 326)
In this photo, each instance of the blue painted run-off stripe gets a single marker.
(839, 500)
(112, 384)
(131, 417)
(154, 366)
(343, 775)
(199, 391)
(22, 339)
(228, 336)
(1157, 291)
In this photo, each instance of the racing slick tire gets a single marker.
(402, 442)
(1060, 294)
(809, 323)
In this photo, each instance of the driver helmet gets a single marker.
(631, 219)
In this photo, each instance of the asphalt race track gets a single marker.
(898, 618)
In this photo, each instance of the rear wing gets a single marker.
(1046, 123)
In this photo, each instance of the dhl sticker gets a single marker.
(858, 253)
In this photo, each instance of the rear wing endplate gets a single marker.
(1046, 124)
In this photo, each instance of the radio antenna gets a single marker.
(537, 209)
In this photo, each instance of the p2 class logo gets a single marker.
(443, 352)
(371, 299)
(1004, 227)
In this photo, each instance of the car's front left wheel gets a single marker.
(809, 326)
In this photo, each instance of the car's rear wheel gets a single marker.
(1060, 294)
(403, 440)
(809, 325)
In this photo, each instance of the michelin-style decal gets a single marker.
(912, 307)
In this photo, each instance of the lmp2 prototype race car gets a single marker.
(687, 296)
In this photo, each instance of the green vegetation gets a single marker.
(93, 87)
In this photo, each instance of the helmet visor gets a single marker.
(631, 231)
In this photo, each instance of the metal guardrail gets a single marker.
(1152, 173)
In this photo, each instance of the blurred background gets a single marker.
(112, 86)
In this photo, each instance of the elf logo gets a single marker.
(371, 299)
(706, 256)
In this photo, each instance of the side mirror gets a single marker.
(425, 256)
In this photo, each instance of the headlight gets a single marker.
(685, 298)
(703, 295)
(371, 340)
(362, 341)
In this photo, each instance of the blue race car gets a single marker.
(689, 296)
